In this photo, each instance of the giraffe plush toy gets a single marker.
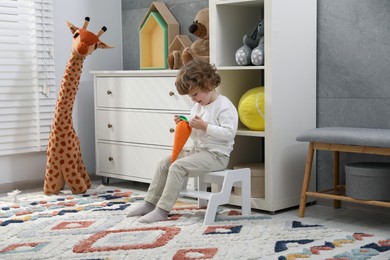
(64, 160)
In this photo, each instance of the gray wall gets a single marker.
(353, 84)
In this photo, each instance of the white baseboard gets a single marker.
(21, 185)
(356, 206)
(27, 185)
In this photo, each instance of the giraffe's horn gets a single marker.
(104, 28)
(86, 22)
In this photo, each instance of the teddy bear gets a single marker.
(200, 48)
(252, 52)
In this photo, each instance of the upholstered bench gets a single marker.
(341, 139)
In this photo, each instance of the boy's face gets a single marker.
(202, 97)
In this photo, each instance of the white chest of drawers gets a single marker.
(134, 127)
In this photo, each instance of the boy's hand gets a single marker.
(176, 118)
(198, 123)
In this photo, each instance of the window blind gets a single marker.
(27, 80)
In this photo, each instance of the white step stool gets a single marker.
(228, 179)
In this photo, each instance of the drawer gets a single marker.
(140, 93)
(137, 161)
(146, 127)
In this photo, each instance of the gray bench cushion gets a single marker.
(348, 136)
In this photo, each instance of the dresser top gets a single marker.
(135, 73)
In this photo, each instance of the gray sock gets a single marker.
(156, 215)
(140, 210)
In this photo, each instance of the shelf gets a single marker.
(240, 2)
(283, 158)
(241, 67)
(245, 132)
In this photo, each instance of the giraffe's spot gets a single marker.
(70, 181)
(56, 176)
(53, 186)
(62, 162)
(63, 143)
(66, 169)
(71, 162)
(69, 148)
(68, 155)
(61, 151)
(77, 181)
(53, 149)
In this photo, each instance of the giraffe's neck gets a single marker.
(68, 90)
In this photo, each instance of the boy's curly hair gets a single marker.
(197, 74)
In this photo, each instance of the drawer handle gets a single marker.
(171, 93)
(110, 159)
(171, 130)
(109, 125)
(109, 92)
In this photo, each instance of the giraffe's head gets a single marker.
(84, 41)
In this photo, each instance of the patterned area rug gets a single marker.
(95, 226)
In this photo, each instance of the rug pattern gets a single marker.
(95, 226)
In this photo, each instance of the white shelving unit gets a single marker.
(289, 77)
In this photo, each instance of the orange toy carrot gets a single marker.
(182, 132)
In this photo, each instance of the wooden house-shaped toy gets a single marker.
(157, 31)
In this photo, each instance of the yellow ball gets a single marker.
(251, 109)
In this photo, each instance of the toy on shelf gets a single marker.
(182, 132)
(157, 30)
(200, 48)
(251, 109)
(252, 52)
(64, 160)
(175, 50)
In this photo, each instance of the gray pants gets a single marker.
(169, 178)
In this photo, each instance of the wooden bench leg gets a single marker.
(306, 180)
(336, 176)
